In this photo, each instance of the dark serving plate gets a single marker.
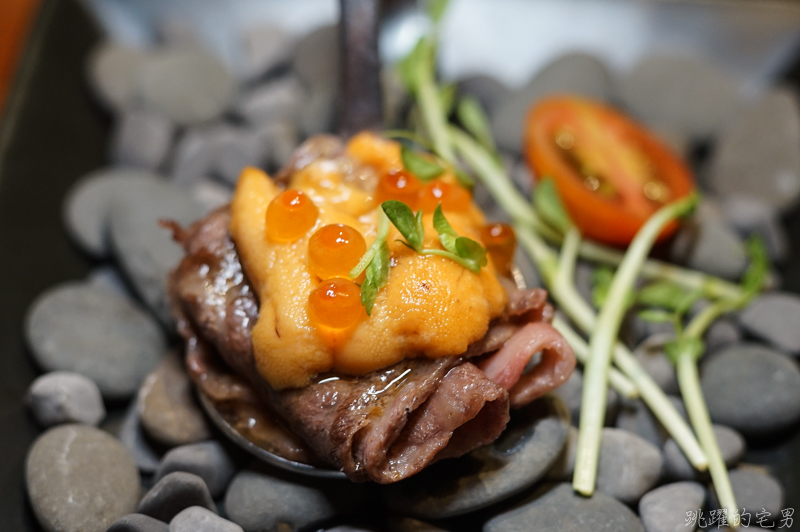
(52, 133)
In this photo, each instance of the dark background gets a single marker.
(53, 133)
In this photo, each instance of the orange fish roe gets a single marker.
(401, 186)
(500, 242)
(334, 250)
(290, 215)
(452, 197)
(336, 304)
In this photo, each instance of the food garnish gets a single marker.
(290, 215)
(334, 250)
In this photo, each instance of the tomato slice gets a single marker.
(610, 172)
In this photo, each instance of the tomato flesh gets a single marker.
(610, 173)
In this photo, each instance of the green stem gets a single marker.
(429, 100)
(568, 298)
(366, 258)
(602, 340)
(689, 382)
(468, 264)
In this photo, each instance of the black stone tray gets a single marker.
(51, 134)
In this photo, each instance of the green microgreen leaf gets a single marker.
(655, 315)
(471, 254)
(405, 134)
(471, 115)
(665, 294)
(684, 344)
(756, 273)
(447, 97)
(420, 59)
(423, 167)
(441, 224)
(472, 251)
(464, 178)
(548, 204)
(601, 282)
(403, 219)
(436, 9)
(376, 276)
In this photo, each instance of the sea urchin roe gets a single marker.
(336, 304)
(373, 150)
(400, 186)
(500, 242)
(452, 197)
(290, 215)
(334, 250)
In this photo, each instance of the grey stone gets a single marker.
(571, 392)
(259, 501)
(315, 59)
(169, 412)
(574, 73)
(752, 389)
(64, 397)
(237, 149)
(145, 249)
(564, 466)
(688, 95)
(636, 330)
(92, 331)
(530, 445)
(485, 89)
(210, 194)
(80, 479)
(664, 509)
(318, 113)
(560, 508)
(108, 278)
(750, 215)
(677, 466)
(348, 528)
(272, 101)
(628, 467)
(758, 155)
(186, 84)
(408, 524)
(395, 97)
(133, 438)
(198, 519)
(638, 419)
(709, 245)
(584, 280)
(177, 32)
(281, 138)
(208, 460)
(754, 490)
(775, 318)
(721, 333)
(86, 207)
(196, 153)
(114, 73)
(173, 494)
(138, 523)
(141, 139)
(263, 48)
(650, 354)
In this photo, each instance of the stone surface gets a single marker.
(198, 519)
(628, 467)
(80, 479)
(114, 73)
(750, 215)
(664, 509)
(196, 153)
(752, 389)
(282, 138)
(237, 149)
(486, 89)
(132, 436)
(688, 95)
(173, 494)
(263, 48)
(775, 318)
(650, 354)
(637, 418)
(211, 194)
(169, 411)
(272, 101)
(562, 509)
(564, 466)
(92, 331)
(722, 333)
(138, 523)
(677, 466)
(524, 453)
(141, 139)
(571, 392)
(108, 278)
(208, 460)
(315, 59)
(754, 490)
(64, 397)
(758, 155)
(408, 524)
(86, 206)
(574, 73)
(187, 84)
(318, 114)
(145, 249)
(258, 501)
(708, 245)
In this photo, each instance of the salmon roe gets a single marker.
(335, 303)
(452, 197)
(401, 186)
(500, 242)
(334, 250)
(290, 215)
